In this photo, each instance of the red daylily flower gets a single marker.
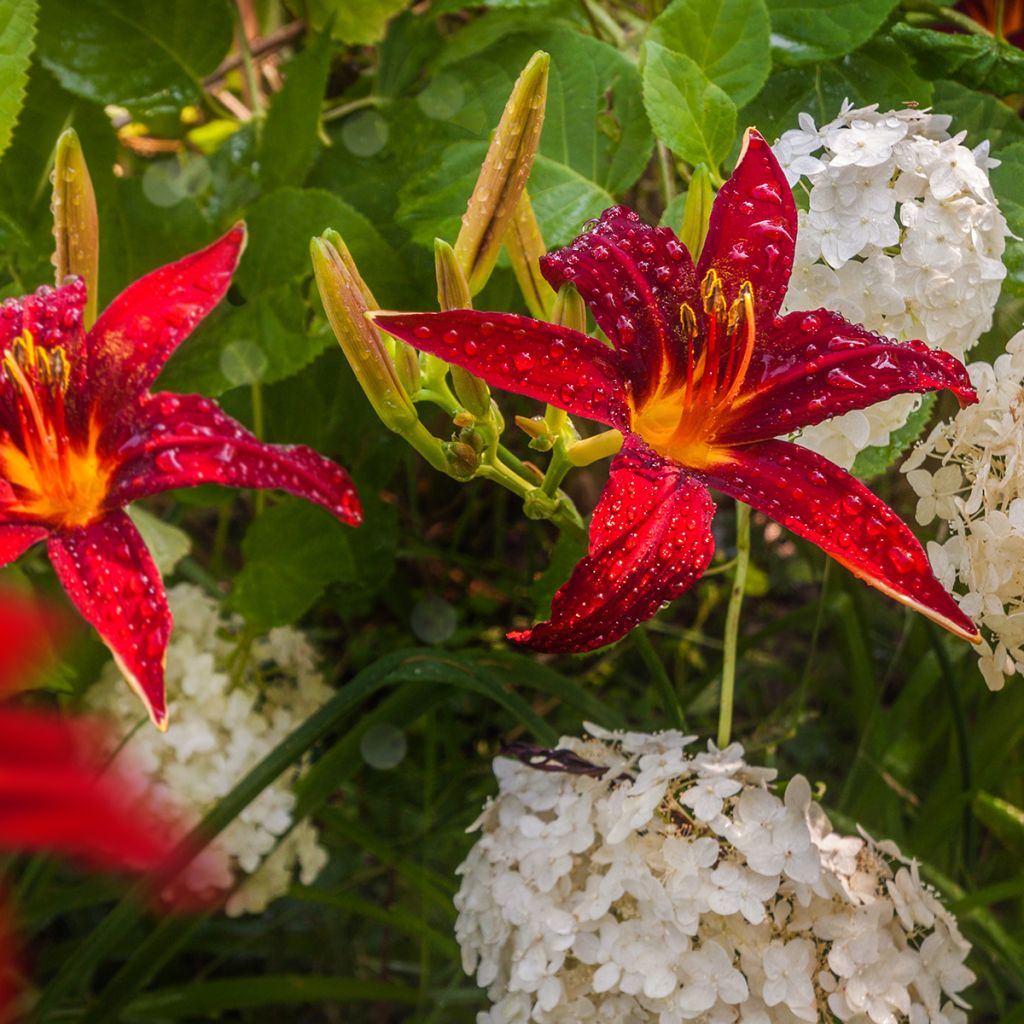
(81, 437)
(54, 795)
(702, 377)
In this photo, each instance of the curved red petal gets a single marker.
(109, 575)
(55, 796)
(816, 365)
(634, 278)
(752, 231)
(650, 541)
(17, 538)
(823, 503)
(516, 353)
(186, 440)
(136, 334)
(24, 636)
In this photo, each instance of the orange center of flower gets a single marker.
(680, 419)
(56, 481)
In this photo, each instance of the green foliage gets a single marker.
(728, 41)
(809, 31)
(689, 113)
(979, 62)
(352, 21)
(17, 36)
(872, 462)
(145, 55)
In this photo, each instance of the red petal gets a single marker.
(816, 365)
(752, 232)
(816, 499)
(634, 278)
(515, 353)
(55, 796)
(185, 440)
(16, 539)
(53, 317)
(10, 957)
(136, 334)
(24, 637)
(650, 541)
(109, 575)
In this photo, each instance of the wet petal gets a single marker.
(752, 233)
(112, 581)
(634, 278)
(185, 440)
(821, 502)
(17, 538)
(136, 334)
(55, 796)
(516, 353)
(650, 541)
(817, 365)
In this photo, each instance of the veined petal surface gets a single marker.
(650, 541)
(823, 503)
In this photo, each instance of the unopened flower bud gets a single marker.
(503, 174)
(76, 228)
(697, 211)
(525, 246)
(344, 299)
(463, 460)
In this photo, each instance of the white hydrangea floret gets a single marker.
(226, 716)
(576, 907)
(901, 233)
(969, 475)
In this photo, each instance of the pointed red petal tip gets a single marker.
(517, 353)
(110, 577)
(826, 505)
(189, 440)
(752, 230)
(137, 333)
(650, 541)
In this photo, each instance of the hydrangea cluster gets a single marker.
(632, 882)
(902, 234)
(230, 705)
(970, 472)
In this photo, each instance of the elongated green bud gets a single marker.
(568, 309)
(525, 245)
(503, 174)
(453, 293)
(405, 357)
(697, 211)
(345, 302)
(76, 227)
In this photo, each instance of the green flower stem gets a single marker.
(557, 469)
(732, 624)
(662, 683)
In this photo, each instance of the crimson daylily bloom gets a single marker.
(81, 437)
(702, 378)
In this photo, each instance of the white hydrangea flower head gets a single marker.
(901, 233)
(969, 475)
(225, 718)
(623, 880)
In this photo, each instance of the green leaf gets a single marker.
(167, 543)
(879, 72)
(872, 462)
(727, 39)
(1008, 184)
(352, 21)
(290, 134)
(17, 37)
(809, 31)
(984, 117)
(570, 547)
(689, 113)
(268, 337)
(1002, 818)
(292, 552)
(148, 53)
(979, 62)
